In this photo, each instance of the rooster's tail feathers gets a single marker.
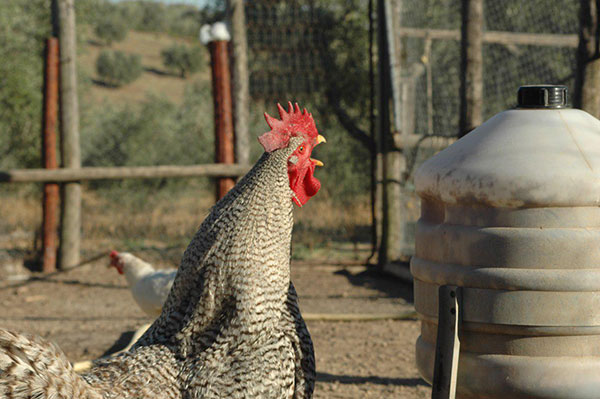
(31, 367)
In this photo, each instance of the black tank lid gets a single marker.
(542, 96)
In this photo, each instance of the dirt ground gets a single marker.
(89, 311)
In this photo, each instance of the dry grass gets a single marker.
(155, 80)
(324, 229)
(161, 225)
(20, 214)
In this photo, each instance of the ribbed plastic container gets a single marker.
(511, 213)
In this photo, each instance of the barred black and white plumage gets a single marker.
(230, 327)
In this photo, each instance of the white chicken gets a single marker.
(149, 287)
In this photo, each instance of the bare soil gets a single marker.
(89, 312)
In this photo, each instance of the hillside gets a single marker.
(155, 80)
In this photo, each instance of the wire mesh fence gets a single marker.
(284, 38)
(506, 66)
(313, 51)
(430, 62)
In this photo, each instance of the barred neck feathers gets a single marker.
(236, 269)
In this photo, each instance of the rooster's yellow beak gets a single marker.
(320, 139)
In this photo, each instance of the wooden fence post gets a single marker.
(240, 81)
(217, 37)
(587, 80)
(383, 140)
(70, 240)
(50, 201)
(373, 134)
(396, 160)
(471, 81)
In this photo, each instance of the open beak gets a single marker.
(320, 139)
(316, 162)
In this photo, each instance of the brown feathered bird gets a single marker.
(230, 327)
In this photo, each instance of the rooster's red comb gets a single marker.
(113, 254)
(294, 122)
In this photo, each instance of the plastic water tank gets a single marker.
(511, 214)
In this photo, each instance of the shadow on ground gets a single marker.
(391, 286)
(354, 379)
(157, 71)
(102, 83)
(120, 344)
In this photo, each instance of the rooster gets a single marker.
(231, 326)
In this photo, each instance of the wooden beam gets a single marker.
(506, 38)
(471, 79)
(393, 12)
(396, 160)
(440, 34)
(70, 240)
(372, 133)
(241, 91)
(433, 142)
(530, 39)
(587, 80)
(383, 137)
(140, 172)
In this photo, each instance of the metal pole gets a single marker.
(50, 201)
(70, 240)
(447, 349)
(221, 78)
(471, 84)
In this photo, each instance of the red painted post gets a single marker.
(50, 202)
(221, 77)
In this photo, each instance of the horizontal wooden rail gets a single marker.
(507, 38)
(435, 143)
(138, 172)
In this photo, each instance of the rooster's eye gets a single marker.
(301, 149)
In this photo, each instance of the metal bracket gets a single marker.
(447, 345)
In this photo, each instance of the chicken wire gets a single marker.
(506, 67)
(283, 40)
(434, 66)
